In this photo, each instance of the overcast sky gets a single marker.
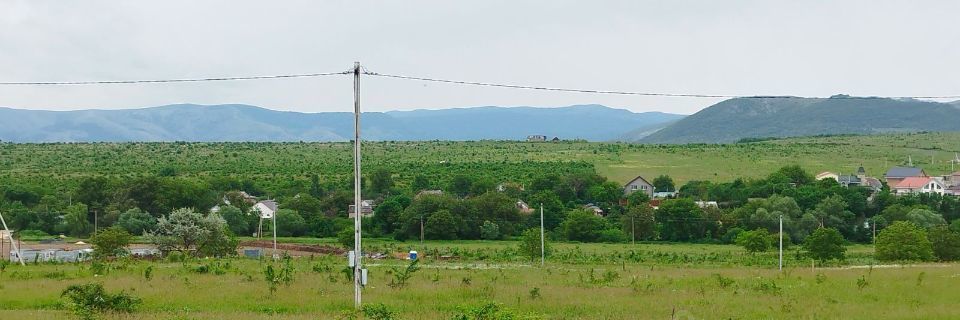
(806, 48)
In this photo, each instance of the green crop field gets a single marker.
(580, 281)
(58, 165)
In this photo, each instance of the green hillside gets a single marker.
(272, 165)
(735, 119)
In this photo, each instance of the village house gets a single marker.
(428, 193)
(266, 209)
(596, 210)
(827, 175)
(920, 185)
(638, 184)
(366, 209)
(897, 174)
(524, 207)
(536, 138)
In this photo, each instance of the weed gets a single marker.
(88, 300)
(821, 278)
(862, 283)
(378, 311)
(148, 273)
(920, 277)
(722, 281)
(400, 277)
(535, 293)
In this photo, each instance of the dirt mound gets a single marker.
(312, 248)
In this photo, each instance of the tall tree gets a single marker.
(664, 183)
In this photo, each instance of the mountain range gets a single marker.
(235, 122)
(769, 117)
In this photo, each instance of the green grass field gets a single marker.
(581, 281)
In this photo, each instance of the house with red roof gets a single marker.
(920, 185)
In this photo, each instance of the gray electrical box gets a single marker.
(363, 277)
(351, 259)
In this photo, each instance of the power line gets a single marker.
(633, 93)
(206, 79)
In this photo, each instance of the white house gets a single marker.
(920, 185)
(266, 208)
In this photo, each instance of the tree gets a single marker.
(489, 231)
(754, 241)
(903, 241)
(664, 183)
(440, 225)
(186, 230)
(553, 210)
(136, 221)
(381, 181)
(387, 215)
(680, 220)
(825, 244)
(530, 244)
(290, 223)
(639, 222)
(346, 237)
(237, 221)
(420, 182)
(460, 185)
(582, 225)
(795, 174)
(316, 190)
(946, 243)
(303, 204)
(110, 242)
(925, 218)
(76, 220)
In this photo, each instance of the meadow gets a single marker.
(579, 281)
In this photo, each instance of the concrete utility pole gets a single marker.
(543, 249)
(357, 269)
(275, 256)
(781, 242)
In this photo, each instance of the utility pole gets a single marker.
(543, 250)
(12, 243)
(357, 276)
(275, 235)
(874, 225)
(781, 242)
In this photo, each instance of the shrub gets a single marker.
(487, 311)
(754, 241)
(825, 244)
(612, 236)
(946, 243)
(530, 244)
(903, 241)
(378, 311)
(88, 300)
(400, 277)
(346, 237)
(489, 231)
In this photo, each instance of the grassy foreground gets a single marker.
(582, 281)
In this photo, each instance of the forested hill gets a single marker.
(188, 122)
(734, 119)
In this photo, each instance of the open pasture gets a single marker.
(580, 281)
